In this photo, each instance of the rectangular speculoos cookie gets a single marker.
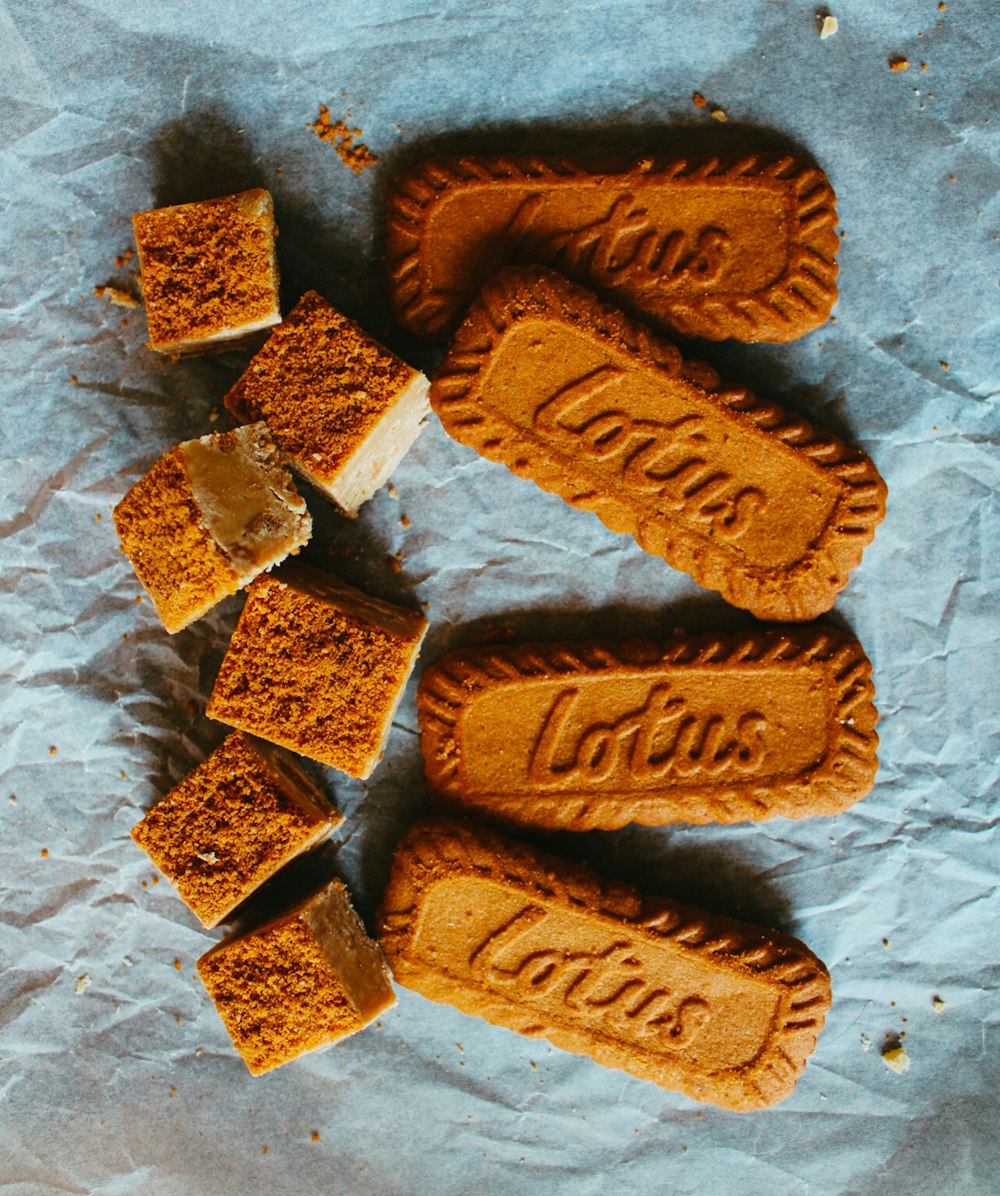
(709, 728)
(743, 249)
(722, 1011)
(746, 498)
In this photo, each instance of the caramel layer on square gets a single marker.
(743, 249)
(304, 980)
(317, 666)
(341, 406)
(237, 818)
(207, 518)
(722, 1011)
(209, 272)
(710, 728)
(749, 500)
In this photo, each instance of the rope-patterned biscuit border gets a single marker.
(785, 593)
(435, 849)
(843, 777)
(800, 299)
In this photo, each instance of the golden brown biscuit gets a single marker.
(722, 1011)
(749, 500)
(743, 249)
(710, 728)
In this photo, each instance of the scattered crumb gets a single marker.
(263, 1150)
(122, 774)
(123, 259)
(354, 154)
(937, 1004)
(138, 599)
(98, 516)
(899, 64)
(73, 378)
(718, 114)
(314, 1136)
(45, 853)
(127, 962)
(13, 799)
(172, 1090)
(923, 66)
(885, 943)
(213, 416)
(396, 562)
(942, 6)
(896, 1059)
(404, 520)
(698, 100)
(829, 27)
(392, 491)
(144, 883)
(82, 984)
(866, 1042)
(53, 750)
(156, 880)
(944, 365)
(117, 296)
(177, 965)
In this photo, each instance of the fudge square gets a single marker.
(242, 814)
(303, 980)
(317, 666)
(209, 272)
(208, 517)
(343, 408)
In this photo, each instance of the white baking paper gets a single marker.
(116, 1075)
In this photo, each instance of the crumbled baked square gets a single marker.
(303, 980)
(209, 272)
(342, 407)
(235, 820)
(208, 517)
(317, 666)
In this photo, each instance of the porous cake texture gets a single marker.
(344, 408)
(208, 517)
(317, 666)
(209, 272)
(235, 820)
(303, 980)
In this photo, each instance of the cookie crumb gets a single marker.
(117, 296)
(82, 984)
(944, 365)
(354, 154)
(829, 27)
(698, 100)
(866, 1042)
(899, 64)
(937, 1004)
(896, 1059)
(719, 114)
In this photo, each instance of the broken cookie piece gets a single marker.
(342, 407)
(242, 814)
(319, 667)
(303, 980)
(209, 272)
(208, 517)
